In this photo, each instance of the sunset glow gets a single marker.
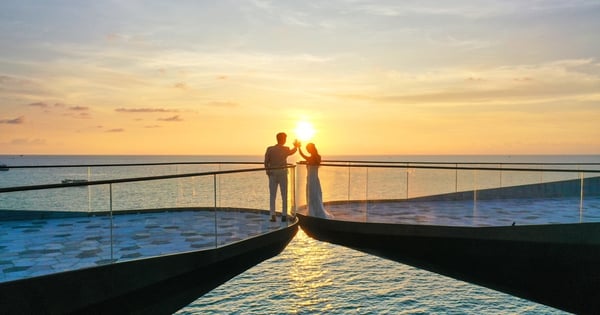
(304, 131)
(437, 77)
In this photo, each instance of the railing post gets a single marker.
(501, 173)
(475, 188)
(111, 223)
(215, 207)
(456, 178)
(581, 197)
(89, 189)
(475, 210)
(219, 204)
(367, 195)
(349, 168)
(293, 203)
(407, 164)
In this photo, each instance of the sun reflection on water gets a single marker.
(312, 277)
(307, 275)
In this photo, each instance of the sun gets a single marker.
(304, 131)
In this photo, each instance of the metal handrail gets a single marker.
(108, 233)
(138, 179)
(456, 167)
(125, 164)
(466, 163)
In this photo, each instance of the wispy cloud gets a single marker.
(38, 104)
(565, 79)
(79, 108)
(25, 142)
(181, 86)
(81, 115)
(74, 108)
(472, 10)
(175, 118)
(15, 121)
(377, 60)
(146, 110)
(223, 104)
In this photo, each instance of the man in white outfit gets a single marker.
(276, 156)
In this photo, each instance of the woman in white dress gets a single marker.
(314, 195)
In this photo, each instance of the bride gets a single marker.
(314, 195)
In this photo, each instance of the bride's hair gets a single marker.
(311, 148)
(315, 158)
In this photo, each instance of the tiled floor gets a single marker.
(39, 247)
(501, 212)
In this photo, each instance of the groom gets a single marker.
(276, 156)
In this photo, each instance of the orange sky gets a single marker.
(373, 78)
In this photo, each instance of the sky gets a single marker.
(372, 77)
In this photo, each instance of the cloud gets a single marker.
(152, 126)
(573, 80)
(113, 37)
(79, 108)
(22, 141)
(38, 104)
(181, 85)
(116, 130)
(23, 88)
(16, 121)
(146, 110)
(173, 118)
(83, 115)
(222, 104)
(74, 108)
(475, 79)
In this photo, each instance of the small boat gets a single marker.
(74, 181)
(4, 168)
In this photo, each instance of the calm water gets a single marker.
(308, 277)
(312, 277)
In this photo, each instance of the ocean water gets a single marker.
(313, 277)
(308, 277)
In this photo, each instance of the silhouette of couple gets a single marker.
(276, 157)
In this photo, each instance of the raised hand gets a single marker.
(297, 143)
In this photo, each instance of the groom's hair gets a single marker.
(281, 137)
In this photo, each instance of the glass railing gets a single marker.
(475, 194)
(111, 214)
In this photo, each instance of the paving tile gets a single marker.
(39, 247)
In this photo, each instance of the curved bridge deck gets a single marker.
(499, 212)
(49, 245)
(547, 256)
(160, 262)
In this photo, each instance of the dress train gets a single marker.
(314, 194)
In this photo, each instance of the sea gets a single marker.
(308, 276)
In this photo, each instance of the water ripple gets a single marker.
(312, 277)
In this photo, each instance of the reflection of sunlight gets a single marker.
(308, 277)
(304, 131)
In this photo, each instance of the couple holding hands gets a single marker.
(275, 157)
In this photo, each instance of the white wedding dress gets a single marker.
(314, 195)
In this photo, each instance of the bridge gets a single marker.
(134, 245)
